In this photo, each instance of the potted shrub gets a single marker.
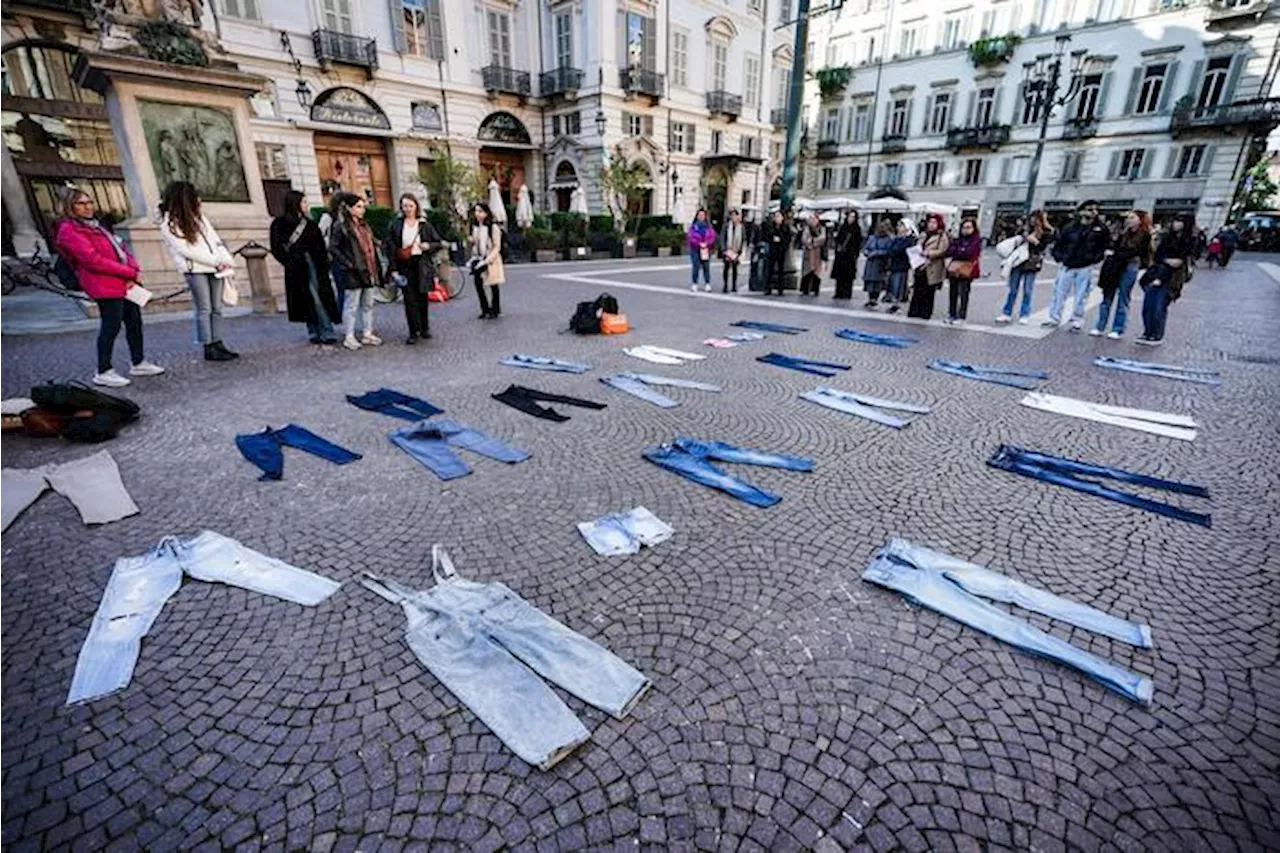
(833, 80)
(993, 50)
(542, 242)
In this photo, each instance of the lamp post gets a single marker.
(303, 90)
(1041, 80)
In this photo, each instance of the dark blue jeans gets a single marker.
(804, 365)
(698, 264)
(264, 448)
(1155, 311)
(395, 404)
(1026, 280)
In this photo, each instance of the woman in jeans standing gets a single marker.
(1162, 283)
(1120, 266)
(357, 269)
(410, 246)
(105, 270)
(964, 252)
(702, 237)
(1037, 237)
(202, 258)
(933, 272)
(899, 265)
(297, 244)
(486, 260)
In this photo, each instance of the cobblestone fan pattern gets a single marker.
(794, 707)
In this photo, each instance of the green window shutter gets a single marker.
(1170, 80)
(1114, 169)
(1206, 162)
(397, 26)
(1148, 160)
(1135, 80)
(1175, 154)
(1103, 90)
(1197, 78)
(1233, 80)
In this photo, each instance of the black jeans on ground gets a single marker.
(958, 298)
(114, 312)
(730, 267)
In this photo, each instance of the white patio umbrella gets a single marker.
(495, 203)
(831, 217)
(677, 212)
(524, 207)
(578, 202)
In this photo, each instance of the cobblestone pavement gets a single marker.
(794, 706)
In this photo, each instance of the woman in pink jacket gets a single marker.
(105, 270)
(701, 238)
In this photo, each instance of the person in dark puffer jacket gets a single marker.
(1079, 246)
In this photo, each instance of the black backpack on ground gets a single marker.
(585, 320)
(607, 304)
(106, 413)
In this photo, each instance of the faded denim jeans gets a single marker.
(489, 646)
(1070, 281)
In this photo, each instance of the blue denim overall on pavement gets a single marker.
(1071, 473)
(538, 362)
(861, 337)
(431, 443)
(395, 404)
(264, 448)
(998, 375)
(1164, 371)
(956, 588)
(777, 328)
(488, 647)
(804, 365)
(863, 406)
(689, 457)
(140, 586)
(636, 384)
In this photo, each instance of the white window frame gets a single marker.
(893, 174)
(1071, 163)
(1212, 76)
(899, 117)
(1131, 162)
(940, 121)
(860, 126)
(827, 178)
(1191, 156)
(717, 141)
(1019, 168)
(930, 173)
(751, 76)
(423, 29)
(1087, 98)
(335, 19)
(907, 42)
(718, 63)
(498, 38)
(990, 20)
(563, 27)
(1150, 88)
(244, 10)
(679, 57)
(831, 124)
(971, 180)
(952, 34)
(982, 104)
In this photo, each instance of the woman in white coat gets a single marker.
(202, 258)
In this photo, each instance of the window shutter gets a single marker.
(918, 178)
(1020, 104)
(1197, 77)
(1206, 162)
(1170, 80)
(928, 114)
(649, 33)
(1135, 80)
(879, 175)
(1114, 168)
(968, 118)
(397, 26)
(648, 125)
(1175, 154)
(1237, 65)
(995, 106)
(1103, 90)
(1148, 160)
(1005, 165)
(689, 146)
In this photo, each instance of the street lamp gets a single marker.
(1041, 81)
(303, 90)
(601, 122)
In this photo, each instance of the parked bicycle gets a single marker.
(450, 279)
(35, 271)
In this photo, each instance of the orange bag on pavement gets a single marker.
(614, 324)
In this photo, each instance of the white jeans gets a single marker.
(361, 299)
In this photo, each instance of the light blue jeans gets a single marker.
(1026, 280)
(431, 443)
(1120, 298)
(542, 362)
(863, 406)
(489, 646)
(636, 384)
(1067, 282)
(956, 588)
(206, 303)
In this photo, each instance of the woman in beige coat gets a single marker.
(929, 277)
(812, 240)
(486, 260)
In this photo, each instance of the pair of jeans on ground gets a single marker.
(998, 375)
(1157, 423)
(864, 406)
(691, 459)
(804, 365)
(661, 355)
(206, 302)
(1164, 371)
(92, 484)
(492, 649)
(432, 444)
(1155, 311)
(777, 328)
(1120, 299)
(539, 362)
(898, 341)
(113, 313)
(266, 449)
(527, 400)
(140, 586)
(1074, 474)
(621, 534)
(1070, 281)
(637, 385)
(387, 401)
(955, 588)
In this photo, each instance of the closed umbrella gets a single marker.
(524, 207)
(495, 203)
(578, 202)
(677, 212)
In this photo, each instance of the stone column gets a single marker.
(26, 234)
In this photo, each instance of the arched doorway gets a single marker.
(641, 203)
(57, 133)
(566, 180)
(505, 146)
(356, 164)
(716, 193)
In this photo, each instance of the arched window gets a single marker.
(503, 127)
(344, 105)
(565, 173)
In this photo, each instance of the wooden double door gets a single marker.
(356, 164)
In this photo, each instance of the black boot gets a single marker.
(212, 352)
(484, 301)
(226, 352)
(495, 301)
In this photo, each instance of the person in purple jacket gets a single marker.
(702, 237)
(962, 269)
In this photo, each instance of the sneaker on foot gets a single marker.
(1113, 336)
(706, 288)
(110, 378)
(1051, 322)
(351, 343)
(1076, 325)
(370, 339)
(1003, 318)
(694, 287)
(1022, 321)
(146, 368)
(1095, 333)
(1146, 342)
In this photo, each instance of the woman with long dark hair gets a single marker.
(106, 271)
(1130, 252)
(1037, 236)
(1162, 283)
(202, 258)
(486, 260)
(930, 275)
(962, 269)
(844, 269)
(410, 245)
(701, 237)
(297, 244)
(813, 238)
(357, 269)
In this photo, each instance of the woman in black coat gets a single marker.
(848, 247)
(297, 244)
(410, 245)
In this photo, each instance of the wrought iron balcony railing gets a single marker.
(1259, 114)
(643, 82)
(828, 148)
(344, 48)
(559, 81)
(778, 116)
(499, 78)
(1080, 128)
(724, 103)
(987, 136)
(893, 142)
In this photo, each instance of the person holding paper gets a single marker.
(109, 275)
(929, 268)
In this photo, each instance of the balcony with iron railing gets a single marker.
(891, 143)
(828, 148)
(560, 81)
(332, 46)
(720, 102)
(985, 136)
(1080, 128)
(778, 116)
(642, 81)
(1259, 115)
(1217, 11)
(498, 79)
